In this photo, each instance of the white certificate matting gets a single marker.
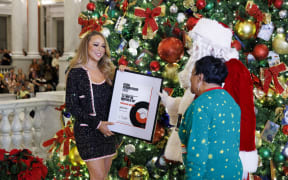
(134, 104)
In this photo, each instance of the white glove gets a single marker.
(249, 161)
(172, 105)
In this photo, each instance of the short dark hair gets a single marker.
(213, 69)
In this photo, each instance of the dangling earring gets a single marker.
(198, 86)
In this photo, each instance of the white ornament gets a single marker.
(285, 151)
(129, 148)
(266, 31)
(250, 57)
(121, 21)
(133, 45)
(181, 17)
(162, 161)
(283, 13)
(106, 32)
(173, 9)
(280, 30)
(132, 51)
(273, 59)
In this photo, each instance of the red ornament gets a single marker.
(236, 44)
(176, 31)
(285, 129)
(154, 66)
(123, 172)
(257, 177)
(200, 4)
(285, 170)
(159, 133)
(260, 51)
(171, 49)
(278, 3)
(122, 61)
(91, 6)
(191, 22)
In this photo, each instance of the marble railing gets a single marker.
(27, 123)
(5, 69)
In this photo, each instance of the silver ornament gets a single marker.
(285, 151)
(106, 32)
(283, 13)
(181, 17)
(173, 9)
(280, 30)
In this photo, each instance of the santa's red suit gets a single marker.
(240, 86)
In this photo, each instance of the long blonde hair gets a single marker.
(105, 65)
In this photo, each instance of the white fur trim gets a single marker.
(186, 100)
(213, 32)
(173, 149)
(249, 161)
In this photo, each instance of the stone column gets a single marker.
(16, 23)
(72, 29)
(33, 51)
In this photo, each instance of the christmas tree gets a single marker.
(151, 37)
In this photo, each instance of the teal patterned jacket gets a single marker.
(210, 130)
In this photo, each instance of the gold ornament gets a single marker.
(74, 157)
(270, 92)
(258, 139)
(171, 72)
(258, 93)
(279, 44)
(188, 40)
(282, 80)
(279, 113)
(245, 29)
(272, 170)
(138, 173)
(267, 18)
(249, 4)
(188, 4)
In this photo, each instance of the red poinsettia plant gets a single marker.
(22, 165)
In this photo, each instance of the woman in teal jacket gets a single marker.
(210, 129)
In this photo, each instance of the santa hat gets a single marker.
(213, 32)
(212, 38)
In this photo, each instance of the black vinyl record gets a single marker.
(139, 113)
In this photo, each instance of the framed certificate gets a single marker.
(134, 104)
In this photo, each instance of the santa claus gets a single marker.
(211, 38)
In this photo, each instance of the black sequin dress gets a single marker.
(91, 143)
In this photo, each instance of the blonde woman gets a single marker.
(88, 96)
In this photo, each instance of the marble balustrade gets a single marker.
(27, 123)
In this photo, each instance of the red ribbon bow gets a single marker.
(63, 135)
(255, 12)
(256, 81)
(273, 72)
(125, 5)
(94, 25)
(149, 18)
